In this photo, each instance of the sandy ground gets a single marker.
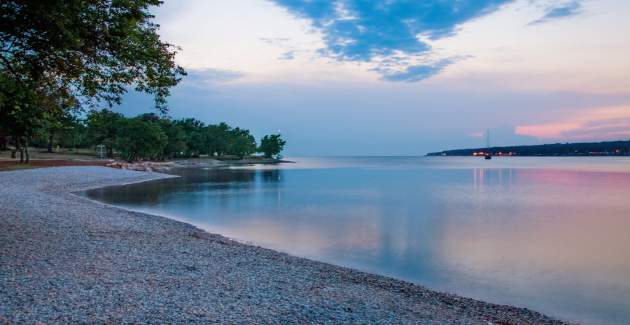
(66, 259)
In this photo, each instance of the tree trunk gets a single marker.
(20, 148)
(51, 136)
(110, 152)
(3, 143)
(15, 148)
(28, 155)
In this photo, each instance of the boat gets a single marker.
(487, 155)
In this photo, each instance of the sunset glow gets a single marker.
(597, 124)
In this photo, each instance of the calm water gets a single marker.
(552, 234)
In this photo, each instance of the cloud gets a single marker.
(418, 72)
(609, 123)
(274, 40)
(371, 31)
(211, 76)
(564, 10)
(290, 51)
(288, 55)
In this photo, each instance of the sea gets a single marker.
(546, 233)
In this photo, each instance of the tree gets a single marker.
(54, 124)
(271, 145)
(193, 136)
(216, 138)
(176, 139)
(87, 51)
(240, 142)
(149, 117)
(103, 127)
(138, 139)
(19, 113)
(94, 47)
(74, 134)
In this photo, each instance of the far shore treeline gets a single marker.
(54, 71)
(607, 148)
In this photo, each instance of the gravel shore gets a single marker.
(66, 259)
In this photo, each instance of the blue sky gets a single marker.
(352, 77)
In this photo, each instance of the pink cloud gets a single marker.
(607, 123)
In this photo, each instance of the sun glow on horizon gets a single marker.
(607, 123)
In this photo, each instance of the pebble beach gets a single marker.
(67, 259)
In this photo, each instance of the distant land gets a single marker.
(609, 148)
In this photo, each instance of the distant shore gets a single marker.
(582, 149)
(64, 258)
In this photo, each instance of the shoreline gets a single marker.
(66, 258)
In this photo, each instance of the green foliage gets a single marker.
(271, 145)
(91, 48)
(140, 139)
(19, 113)
(59, 124)
(176, 139)
(103, 127)
(147, 136)
(193, 136)
(240, 143)
(216, 138)
(57, 55)
(74, 134)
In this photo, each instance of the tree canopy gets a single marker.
(271, 145)
(57, 55)
(138, 138)
(150, 136)
(91, 49)
(102, 128)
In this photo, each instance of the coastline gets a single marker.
(65, 258)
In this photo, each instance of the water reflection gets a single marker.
(549, 238)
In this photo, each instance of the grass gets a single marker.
(40, 158)
(7, 167)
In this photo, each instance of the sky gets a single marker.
(401, 77)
